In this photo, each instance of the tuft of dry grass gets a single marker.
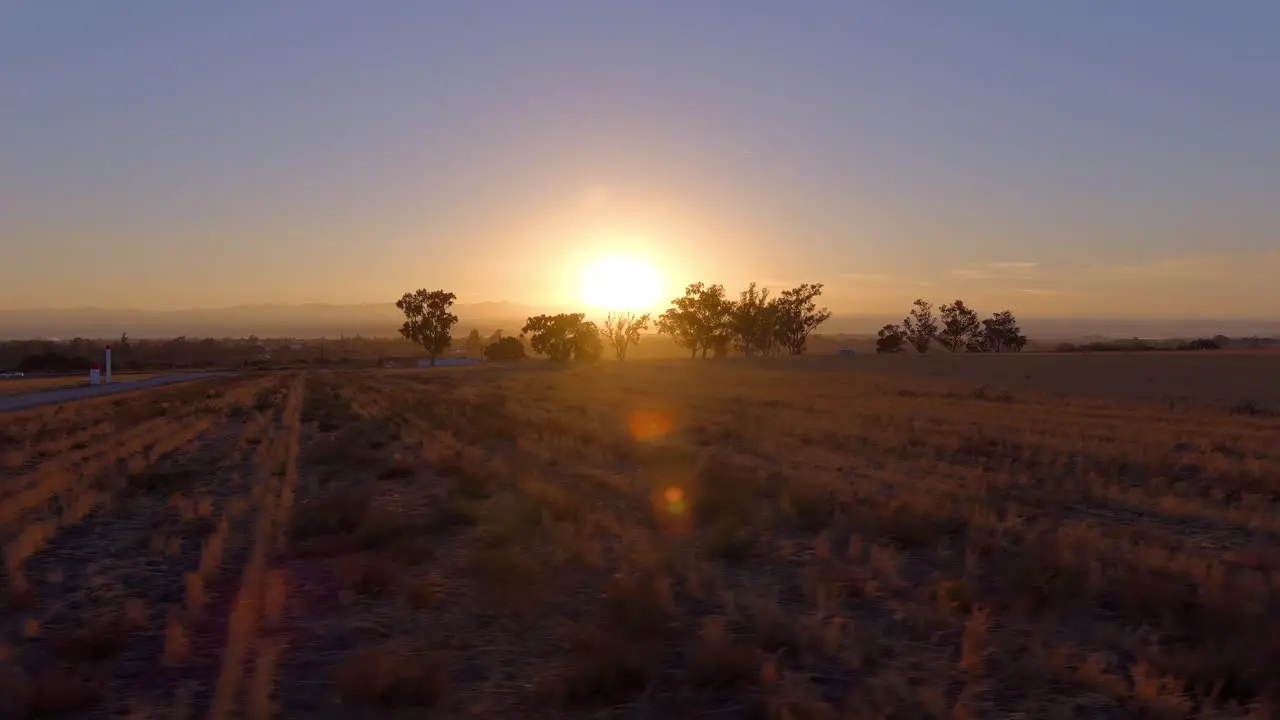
(390, 677)
(718, 659)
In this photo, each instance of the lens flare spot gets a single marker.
(646, 425)
(675, 500)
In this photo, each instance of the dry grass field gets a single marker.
(813, 539)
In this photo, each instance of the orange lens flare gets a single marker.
(674, 498)
(646, 425)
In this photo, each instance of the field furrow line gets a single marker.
(256, 603)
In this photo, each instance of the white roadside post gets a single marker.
(108, 364)
(95, 376)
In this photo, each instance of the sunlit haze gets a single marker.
(1075, 158)
(622, 283)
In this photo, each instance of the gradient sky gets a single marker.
(1065, 158)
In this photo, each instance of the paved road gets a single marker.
(26, 401)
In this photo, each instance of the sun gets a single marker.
(621, 283)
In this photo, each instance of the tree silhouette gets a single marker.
(959, 326)
(698, 320)
(474, 345)
(622, 330)
(920, 327)
(1000, 333)
(563, 336)
(505, 349)
(587, 345)
(890, 339)
(428, 320)
(798, 315)
(753, 322)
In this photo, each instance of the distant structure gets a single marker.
(398, 362)
(449, 362)
(847, 352)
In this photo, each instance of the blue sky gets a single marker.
(1080, 157)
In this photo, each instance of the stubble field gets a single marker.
(815, 539)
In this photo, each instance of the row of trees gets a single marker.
(705, 320)
(956, 328)
(702, 320)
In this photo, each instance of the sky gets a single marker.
(1067, 158)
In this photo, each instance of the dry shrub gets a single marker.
(641, 602)
(355, 447)
(177, 646)
(455, 510)
(421, 594)
(50, 693)
(911, 523)
(195, 594)
(101, 640)
(973, 644)
(726, 492)
(338, 512)
(717, 659)
(730, 541)
(274, 594)
(391, 677)
(956, 595)
(601, 670)
(368, 575)
(197, 527)
(810, 502)
(507, 571)
(161, 482)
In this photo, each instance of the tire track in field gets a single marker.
(258, 602)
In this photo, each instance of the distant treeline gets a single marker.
(1217, 342)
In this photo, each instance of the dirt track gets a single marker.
(26, 401)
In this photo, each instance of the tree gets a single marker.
(753, 322)
(564, 336)
(494, 337)
(1000, 333)
(474, 345)
(587, 345)
(959, 326)
(505, 349)
(622, 330)
(890, 339)
(699, 319)
(798, 315)
(920, 327)
(428, 320)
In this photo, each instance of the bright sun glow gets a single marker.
(621, 283)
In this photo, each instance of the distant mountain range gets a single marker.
(315, 320)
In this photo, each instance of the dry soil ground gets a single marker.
(660, 540)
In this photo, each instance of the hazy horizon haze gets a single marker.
(1066, 159)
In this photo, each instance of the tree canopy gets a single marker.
(563, 336)
(428, 320)
(699, 319)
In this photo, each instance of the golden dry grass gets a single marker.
(785, 539)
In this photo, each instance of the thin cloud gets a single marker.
(1040, 291)
(998, 271)
(867, 277)
(1171, 268)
